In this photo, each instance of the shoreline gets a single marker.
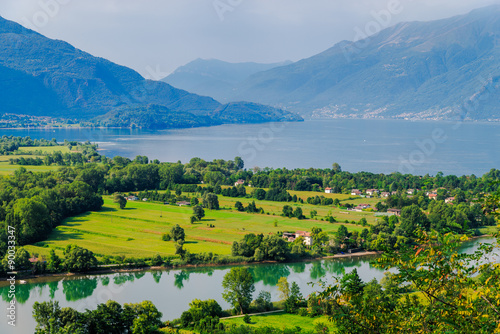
(117, 269)
(492, 121)
(33, 278)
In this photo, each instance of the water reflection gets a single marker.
(123, 278)
(53, 286)
(76, 289)
(180, 277)
(157, 276)
(105, 280)
(269, 274)
(81, 287)
(298, 267)
(23, 291)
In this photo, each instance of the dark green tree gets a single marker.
(238, 287)
(120, 199)
(53, 262)
(78, 259)
(177, 233)
(239, 206)
(198, 212)
(298, 213)
(211, 201)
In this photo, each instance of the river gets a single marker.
(172, 290)
(378, 146)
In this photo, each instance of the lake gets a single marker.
(172, 291)
(378, 146)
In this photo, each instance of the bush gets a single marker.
(166, 237)
(156, 260)
(303, 312)
(247, 319)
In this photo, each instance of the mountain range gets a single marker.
(45, 77)
(443, 69)
(215, 78)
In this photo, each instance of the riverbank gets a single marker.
(29, 278)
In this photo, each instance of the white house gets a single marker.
(328, 190)
(356, 192)
(449, 200)
(239, 182)
(308, 240)
(372, 192)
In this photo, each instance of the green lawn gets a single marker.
(136, 231)
(46, 149)
(489, 230)
(6, 168)
(279, 320)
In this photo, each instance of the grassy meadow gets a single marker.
(45, 149)
(279, 320)
(136, 231)
(6, 168)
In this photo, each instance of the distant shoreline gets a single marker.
(104, 270)
(338, 117)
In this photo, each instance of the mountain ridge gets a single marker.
(214, 77)
(418, 70)
(68, 82)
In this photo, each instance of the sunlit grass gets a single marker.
(137, 230)
(278, 320)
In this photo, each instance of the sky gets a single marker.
(154, 37)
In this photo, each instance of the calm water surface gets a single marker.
(171, 291)
(379, 146)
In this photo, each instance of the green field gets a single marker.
(6, 168)
(280, 320)
(136, 231)
(45, 149)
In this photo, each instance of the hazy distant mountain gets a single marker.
(44, 77)
(440, 69)
(215, 78)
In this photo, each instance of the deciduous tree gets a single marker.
(238, 287)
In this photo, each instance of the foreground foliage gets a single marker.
(449, 292)
(109, 318)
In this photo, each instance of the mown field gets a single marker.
(280, 320)
(136, 231)
(46, 149)
(6, 168)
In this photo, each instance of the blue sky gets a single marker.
(156, 36)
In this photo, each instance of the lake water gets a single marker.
(172, 291)
(379, 146)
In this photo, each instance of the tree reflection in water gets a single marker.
(157, 275)
(269, 274)
(105, 280)
(123, 278)
(180, 277)
(79, 288)
(53, 286)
